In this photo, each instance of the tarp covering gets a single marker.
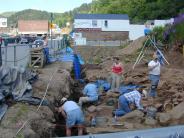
(15, 83)
(128, 88)
(105, 85)
(64, 55)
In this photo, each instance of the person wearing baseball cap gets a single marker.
(73, 115)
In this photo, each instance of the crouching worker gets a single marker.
(90, 93)
(73, 115)
(127, 99)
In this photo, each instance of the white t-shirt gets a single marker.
(156, 70)
(69, 106)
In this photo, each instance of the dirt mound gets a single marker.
(132, 47)
(176, 59)
(61, 81)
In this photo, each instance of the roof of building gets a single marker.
(102, 16)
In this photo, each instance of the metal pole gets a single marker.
(139, 56)
(159, 51)
(6, 52)
(51, 28)
(0, 53)
(15, 56)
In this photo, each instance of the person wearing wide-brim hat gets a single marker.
(73, 115)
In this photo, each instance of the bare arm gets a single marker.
(62, 112)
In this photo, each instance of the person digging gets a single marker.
(127, 100)
(73, 115)
(90, 93)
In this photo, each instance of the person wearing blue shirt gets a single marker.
(125, 100)
(72, 114)
(90, 93)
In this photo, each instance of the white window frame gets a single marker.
(94, 23)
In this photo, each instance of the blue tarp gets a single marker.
(122, 90)
(81, 60)
(3, 109)
(64, 55)
(128, 88)
(77, 67)
(104, 84)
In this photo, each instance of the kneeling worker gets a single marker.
(73, 115)
(90, 93)
(125, 100)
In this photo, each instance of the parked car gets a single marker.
(24, 41)
(38, 43)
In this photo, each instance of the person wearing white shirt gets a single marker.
(154, 74)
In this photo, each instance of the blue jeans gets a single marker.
(123, 107)
(74, 117)
(154, 83)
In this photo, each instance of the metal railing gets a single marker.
(19, 54)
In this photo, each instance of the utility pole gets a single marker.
(0, 51)
(51, 19)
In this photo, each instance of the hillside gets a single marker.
(28, 14)
(7, 14)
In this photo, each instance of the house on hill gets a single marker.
(3, 22)
(3, 25)
(101, 29)
(38, 27)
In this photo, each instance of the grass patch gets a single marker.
(22, 110)
(123, 46)
(20, 136)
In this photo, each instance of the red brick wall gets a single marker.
(33, 26)
(105, 36)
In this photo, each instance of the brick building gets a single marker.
(38, 27)
(101, 27)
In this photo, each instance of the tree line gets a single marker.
(138, 11)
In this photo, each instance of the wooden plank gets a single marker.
(36, 61)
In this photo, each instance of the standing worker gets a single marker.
(116, 74)
(90, 92)
(154, 74)
(73, 115)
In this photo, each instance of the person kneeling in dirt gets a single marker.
(90, 93)
(73, 115)
(127, 99)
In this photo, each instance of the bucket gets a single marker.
(168, 107)
(101, 121)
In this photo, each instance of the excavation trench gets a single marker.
(63, 84)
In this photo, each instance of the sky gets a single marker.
(46, 5)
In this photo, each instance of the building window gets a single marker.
(94, 23)
(4, 23)
(106, 23)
